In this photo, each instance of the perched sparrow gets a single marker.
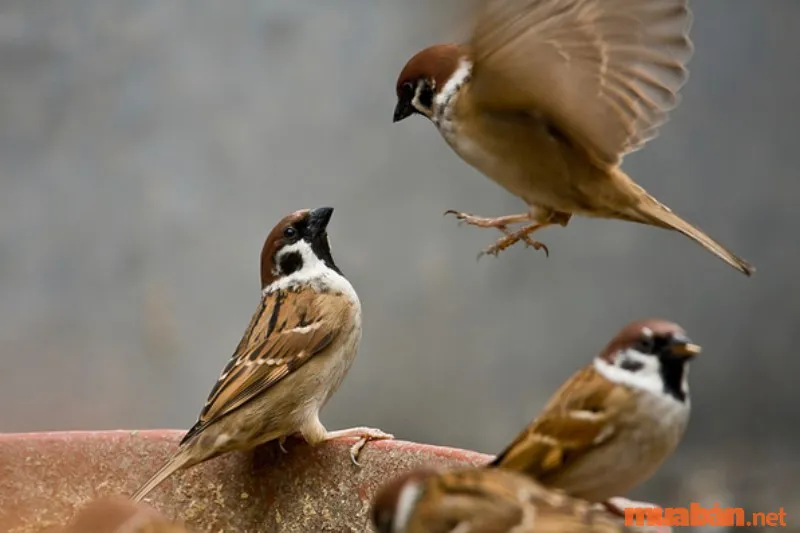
(548, 96)
(483, 501)
(293, 356)
(117, 515)
(611, 425)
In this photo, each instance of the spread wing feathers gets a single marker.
(289, 328)
(577, 419)
(498, 501)
(605, 72)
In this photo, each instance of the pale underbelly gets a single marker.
(628, 460)
(535, 186)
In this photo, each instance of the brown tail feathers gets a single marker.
(651, 211)
(180, 460)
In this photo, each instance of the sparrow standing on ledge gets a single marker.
(612, 424)
(483, 501)
(294, 355)
(546, 99)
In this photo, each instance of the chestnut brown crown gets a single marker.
(423, 77)
(305, 229)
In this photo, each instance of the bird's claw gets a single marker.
(536, 245)
(482, 222)
(509, 241)
(366, 436)
(501, 223)
(462, 217)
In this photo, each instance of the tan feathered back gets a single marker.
(498, 501)
(272, 349)
(558, 437)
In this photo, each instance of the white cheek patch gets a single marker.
(459, 78)
(313, 272)
(303, 249)
(647, 378)
(406, 502)
(442, 102)
(417, 103)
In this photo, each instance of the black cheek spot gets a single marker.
(290, 262)
(632, 366)
(426, 97)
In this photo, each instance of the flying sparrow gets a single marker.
(118, 515)
(479, 500)
(548, 96)
(293, 356)
(613, 423)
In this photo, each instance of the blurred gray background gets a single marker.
(147, 147)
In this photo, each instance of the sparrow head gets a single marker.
(394, 503)
(652, 355)
(423, 79)
(297, 246)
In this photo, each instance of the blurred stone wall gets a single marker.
(146, 148)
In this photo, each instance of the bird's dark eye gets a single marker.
(289, 232)
(407, 89)
(646, 345)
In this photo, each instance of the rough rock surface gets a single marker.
(45, 478)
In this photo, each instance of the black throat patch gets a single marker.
(672, 372)
(321, 248)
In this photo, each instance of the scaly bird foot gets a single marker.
(512, 238)
(364, 435)
(500, 223)
(368, 435)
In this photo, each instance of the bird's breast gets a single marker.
(339, 359)
(473, 146)
(512, 149)
(645, 438)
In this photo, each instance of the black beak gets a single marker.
(403, 109)
(318, 220)
(680, 346)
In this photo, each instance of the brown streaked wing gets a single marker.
(499, 501)
(289, 328)
(471, 499)
(604, 72)
(577, 419)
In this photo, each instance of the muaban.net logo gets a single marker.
(695, 515)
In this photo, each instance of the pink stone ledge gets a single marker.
(46, 478)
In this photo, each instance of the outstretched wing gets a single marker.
(604, 72)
